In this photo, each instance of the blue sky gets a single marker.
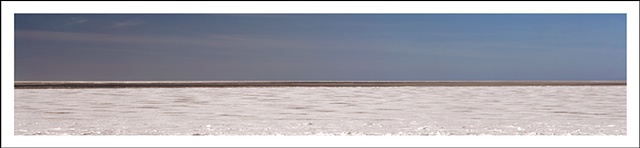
(338, 47)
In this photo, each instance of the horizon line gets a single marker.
(185, 84)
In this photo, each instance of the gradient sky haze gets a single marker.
(330, 47)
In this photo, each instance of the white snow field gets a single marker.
(495, 110)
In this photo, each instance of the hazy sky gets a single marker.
(321, 47)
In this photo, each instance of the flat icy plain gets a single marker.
(408, 110)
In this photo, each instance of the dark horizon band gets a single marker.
(178, 84)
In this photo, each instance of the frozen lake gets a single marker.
(471, 110)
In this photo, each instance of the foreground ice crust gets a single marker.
(339, 111)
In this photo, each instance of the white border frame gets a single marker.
(11, 8)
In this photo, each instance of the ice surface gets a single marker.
(522, 110)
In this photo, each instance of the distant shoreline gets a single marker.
(179, 84)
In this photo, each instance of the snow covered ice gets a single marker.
(340, 111)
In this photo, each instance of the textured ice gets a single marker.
(526, 110)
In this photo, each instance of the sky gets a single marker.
(323, 47)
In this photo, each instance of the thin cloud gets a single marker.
(106, 24)
(126, 24)
(77, 20)
(211, 41)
